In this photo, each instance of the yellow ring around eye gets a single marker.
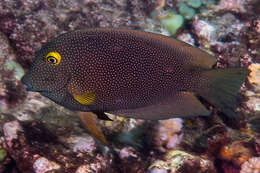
(53, 58)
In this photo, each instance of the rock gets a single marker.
(186, 37)
(84, 144)
(236, 152)
(168, 133)
(10, 88)
(43, 165)
(254, 94)
(177, 161)
(251, 166)
(31, 145)
(126, 153)
(83, 169)
(11, 130)
(29, 24)
(204, 30)
(233, 5)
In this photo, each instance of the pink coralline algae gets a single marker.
(233, 5)
(236, 152)
(253, 95)
(204, 29)
(251, 166)
(169, 133)
(82, 143)
(126, 153)
(10, 131)
(43, 165)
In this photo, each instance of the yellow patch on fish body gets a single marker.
(83, 97)
(87, 98)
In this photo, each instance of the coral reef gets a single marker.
(39, 136)
(36, 149)
(11, 89)
(236, 152)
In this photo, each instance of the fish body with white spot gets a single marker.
(133, 74)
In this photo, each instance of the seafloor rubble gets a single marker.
(39, 136)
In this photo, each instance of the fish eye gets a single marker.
(53, 58)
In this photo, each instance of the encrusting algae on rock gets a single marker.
(169, 133)
(180, 161)
(254, 80)
(251, 166)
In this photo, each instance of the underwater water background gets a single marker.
(40, 136)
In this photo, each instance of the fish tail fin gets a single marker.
(222, 88)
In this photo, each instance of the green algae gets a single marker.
(194, 3)
(3, 154)
(172, 22)
(16, 68)
(187, 12)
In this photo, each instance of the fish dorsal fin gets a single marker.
(183, 104)
(194, 57)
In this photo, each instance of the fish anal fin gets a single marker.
(89, 120)
(182, 104)
(187, 104)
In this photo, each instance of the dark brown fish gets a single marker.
(133, 74)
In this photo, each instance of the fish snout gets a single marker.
(25, 80)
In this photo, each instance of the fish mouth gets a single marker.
(40, 91)
(29, 88)
(26, 82)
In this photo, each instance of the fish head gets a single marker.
(51, 68)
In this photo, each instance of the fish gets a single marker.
(132, 74)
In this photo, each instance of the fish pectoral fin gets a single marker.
(89, 120)
(183, 104)
(102, 115)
